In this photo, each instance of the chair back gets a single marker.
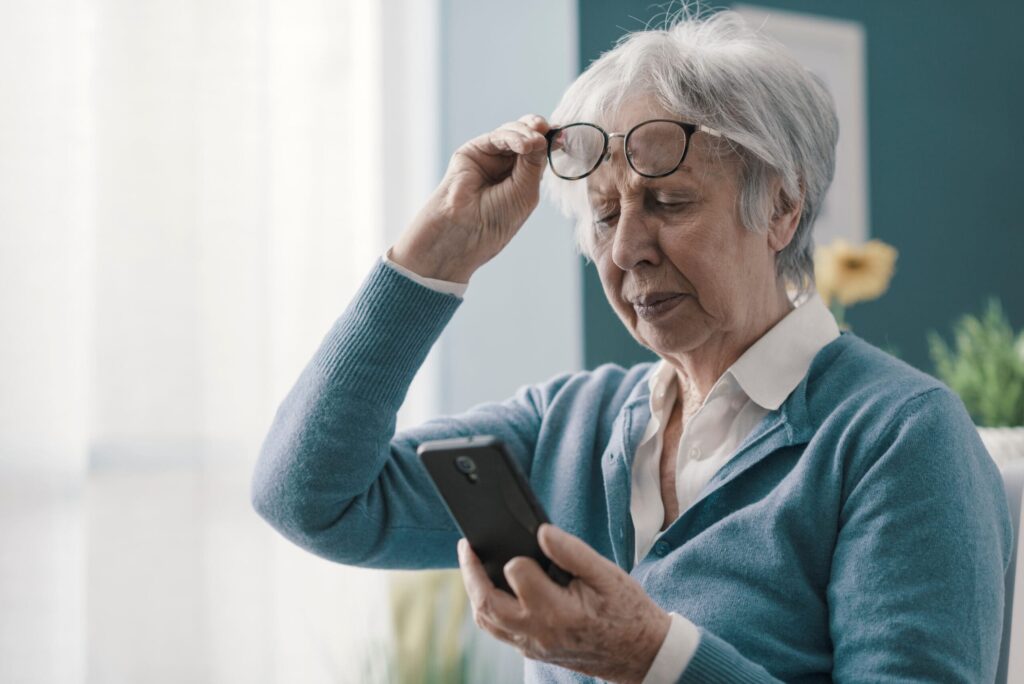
(1011, 652)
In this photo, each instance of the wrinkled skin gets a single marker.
(683, 235)
(680, 235)
(602, 624)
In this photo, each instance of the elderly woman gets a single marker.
(773, 499)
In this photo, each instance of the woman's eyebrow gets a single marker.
(602, 196)
(601, 192)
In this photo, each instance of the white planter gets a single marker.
(1005, 444)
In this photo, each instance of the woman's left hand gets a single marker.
(602, 624)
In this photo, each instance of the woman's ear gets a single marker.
(786, 213)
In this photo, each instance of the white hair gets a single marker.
(777, 116)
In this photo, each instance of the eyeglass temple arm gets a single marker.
(551, 132)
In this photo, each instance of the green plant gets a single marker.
(986, 367)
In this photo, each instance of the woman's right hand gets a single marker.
(490, 188)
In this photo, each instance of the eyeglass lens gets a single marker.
(654, 148)
(576, 150)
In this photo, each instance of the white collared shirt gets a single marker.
(756, 384)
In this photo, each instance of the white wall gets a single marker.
(43, 239)
(521, 320)
(173, 245)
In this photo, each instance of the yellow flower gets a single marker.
(851, 273)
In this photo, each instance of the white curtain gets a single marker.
(190, 192)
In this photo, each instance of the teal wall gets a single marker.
(945, 130)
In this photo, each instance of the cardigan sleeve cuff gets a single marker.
(435, 284)
(676, 651)
(716, 660)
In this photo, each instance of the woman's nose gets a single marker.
(635, 242)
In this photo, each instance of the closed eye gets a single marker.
(607, 221)
(670, 204)
(660, 198)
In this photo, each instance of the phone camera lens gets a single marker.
(465, 465)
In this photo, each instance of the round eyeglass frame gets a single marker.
(688, 128)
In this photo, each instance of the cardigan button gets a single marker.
(661, 549)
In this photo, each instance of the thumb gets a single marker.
(572, 554)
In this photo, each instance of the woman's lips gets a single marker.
(657, 306)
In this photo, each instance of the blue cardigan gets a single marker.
(860, 533)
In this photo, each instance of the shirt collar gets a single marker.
(660, 382)
(774, 365)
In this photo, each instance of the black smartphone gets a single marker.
(491, 502)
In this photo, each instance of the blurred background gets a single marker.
(191, 191)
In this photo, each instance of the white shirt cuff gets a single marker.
(676, 651)
(443, 286)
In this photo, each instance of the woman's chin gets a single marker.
(669, 340)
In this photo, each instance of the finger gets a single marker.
(532, 141)
(534, 157)
(572, 554)
(485, 623)
(536, 122)
(525, 129)
(534, 588)
(487, 599)
(505, 142)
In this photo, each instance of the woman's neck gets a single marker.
(697, 371)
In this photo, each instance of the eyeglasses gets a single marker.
(654, 148)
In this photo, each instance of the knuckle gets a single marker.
(535, 650)
(516, 130)
(540, 647)
(485, 605)
(551, 620)
(527, 614)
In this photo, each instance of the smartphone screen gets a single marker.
(491, 502)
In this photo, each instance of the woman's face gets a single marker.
(674, 258)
